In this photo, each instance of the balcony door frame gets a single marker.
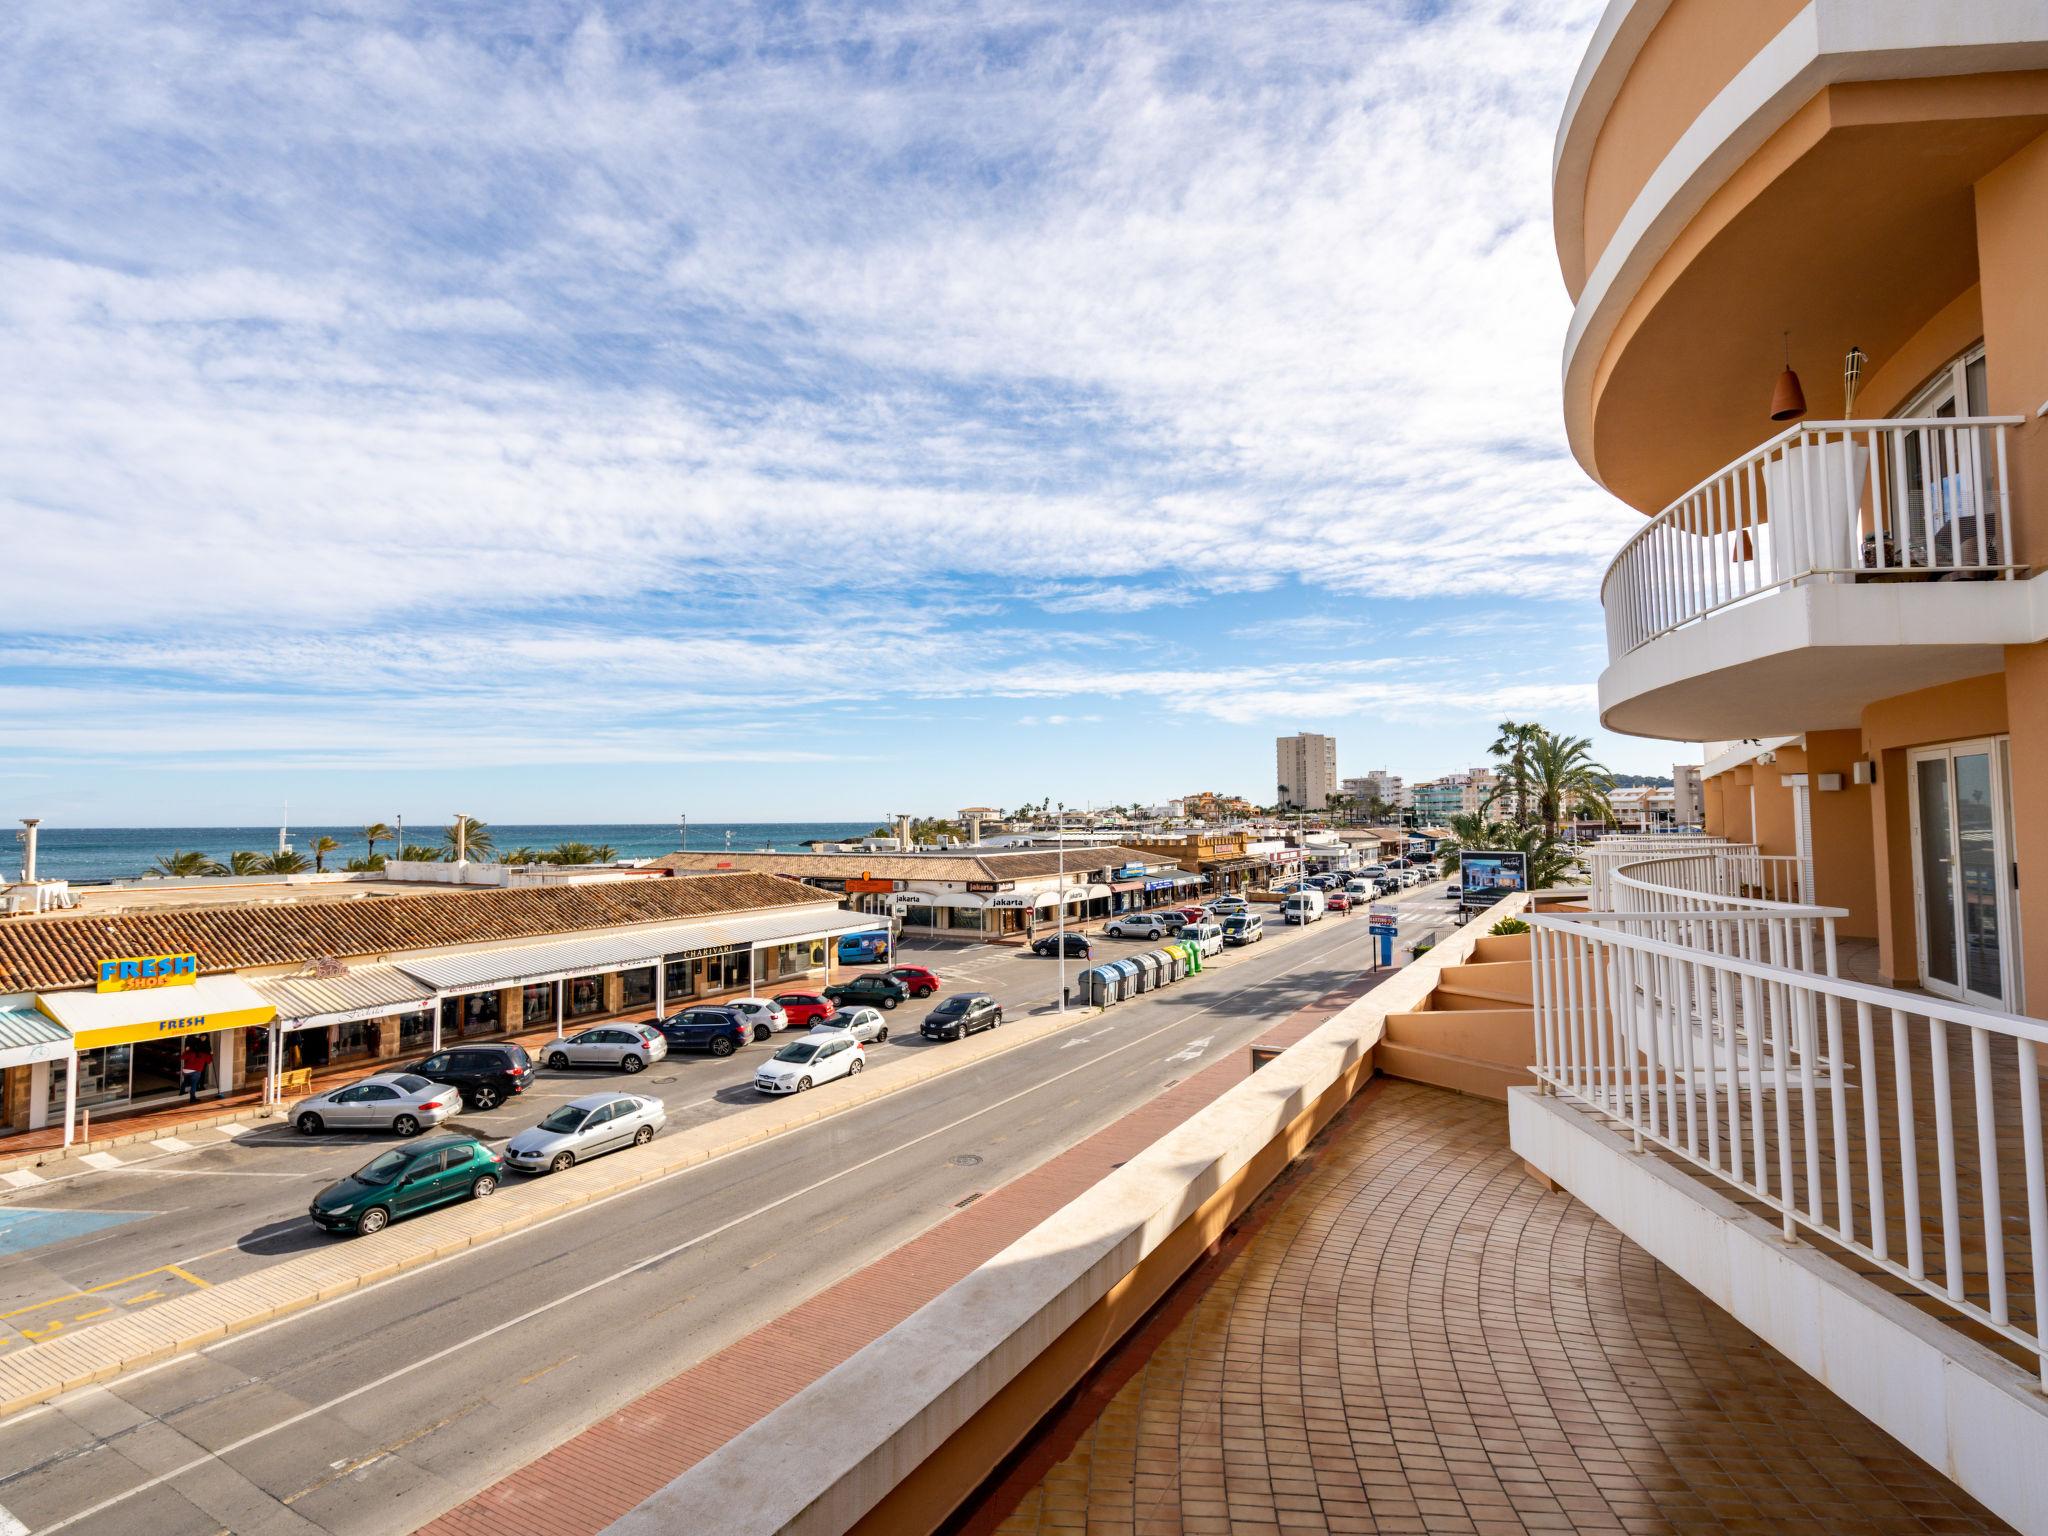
(1998, 752)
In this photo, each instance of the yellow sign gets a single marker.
(139, 973)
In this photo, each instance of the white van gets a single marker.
(1304, 907)
(1361, 890)
(1208, 934)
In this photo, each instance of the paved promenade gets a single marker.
(1418, 1338)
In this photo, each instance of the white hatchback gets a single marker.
(865, 1025)
(763, 1014)
(818, 1057)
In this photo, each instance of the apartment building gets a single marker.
(1305, 770)
(1378, 785)
(1811, 346)
(1455, 794)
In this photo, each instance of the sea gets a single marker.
(86, 854)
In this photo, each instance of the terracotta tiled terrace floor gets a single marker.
(1420, 1338)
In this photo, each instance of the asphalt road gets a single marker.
(376, 1412)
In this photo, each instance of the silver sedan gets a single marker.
(864, 1024)
(628, 1047)
(585, 1127)
(395, 1101)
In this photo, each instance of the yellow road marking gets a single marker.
(94, 1301)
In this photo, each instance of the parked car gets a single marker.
(629, 1047)
(819, 1057)
(1078, 947)
(1361, 890)
(1451, 891)
(714, 1028)
(921, 982)
(960, 1015)
(585, 1127)
(485, 1075)
(1192, 914)
(1137, 925)
(1244, 928)
(404, 1102)
(764, 1013)
(804, 1009)
(874, 988)
(1207, 936)
(1226, 906)
(405, 1181)
(864, 1024)
(1337, 901)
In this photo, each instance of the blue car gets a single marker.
(721, 1031)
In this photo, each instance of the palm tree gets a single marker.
(287, 862)
(603, 853)
(243, 861)
(365, 866)
(322, 846)
(178, 862)
(376, 832)
(419, 853)
(1562, 773)
(1513, 746)
(1550, 862)
(471, 836)
(522, 855)
(571, 853)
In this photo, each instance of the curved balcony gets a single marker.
(1836, 564)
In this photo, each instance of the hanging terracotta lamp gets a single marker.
(1788, 400)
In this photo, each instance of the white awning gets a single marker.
(938, 899)
(27, 1037)
(122, 1018)
(361, 992)
(626, 949)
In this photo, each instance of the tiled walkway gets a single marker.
(1421, 1339)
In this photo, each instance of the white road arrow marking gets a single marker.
(1193, 1050)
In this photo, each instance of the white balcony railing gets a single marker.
(1922, 499)
(1902, 1127)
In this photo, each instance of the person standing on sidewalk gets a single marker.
(194, 1063)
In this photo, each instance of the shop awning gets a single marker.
(937, 899)
(625, 949)
(121, 1018)
(27, 1037)
(361, 992)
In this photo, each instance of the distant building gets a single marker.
(1379, 785)
(1305, 769)
(1208, 805)
(1455, 794)
(1688, 797)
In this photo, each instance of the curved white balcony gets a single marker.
(1838, 563)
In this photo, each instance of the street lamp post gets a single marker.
(1061, 941)
(683, 830)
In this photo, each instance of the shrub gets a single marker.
(1508, 925)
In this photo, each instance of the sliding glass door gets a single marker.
(1962, 872)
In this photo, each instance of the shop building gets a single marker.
(99, 1012)
(980, 893)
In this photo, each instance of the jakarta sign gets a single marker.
(139, 973)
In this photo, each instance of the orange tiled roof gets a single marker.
(64, 950)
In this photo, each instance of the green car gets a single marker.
(405, 1180)
(882, 991)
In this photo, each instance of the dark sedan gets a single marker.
(961, 1015)
(1078, 947)
(872, 990)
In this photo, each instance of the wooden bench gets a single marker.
(295, 1082)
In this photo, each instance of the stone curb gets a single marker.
(47, 1370)
(49, 1156)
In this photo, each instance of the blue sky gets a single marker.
(594, 411)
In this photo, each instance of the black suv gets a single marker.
(721, 1031)
(881, 990)
(1077, 946)
(487, 1075)
(961, 1014)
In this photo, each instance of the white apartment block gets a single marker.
(1379, 785)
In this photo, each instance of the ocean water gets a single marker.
(121, 853)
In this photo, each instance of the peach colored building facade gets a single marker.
(1844, 598)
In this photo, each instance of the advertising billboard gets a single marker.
(1485, 875)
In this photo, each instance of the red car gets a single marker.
(921, 982)
(805, 1009)
(1337, 901)
(1193, 914)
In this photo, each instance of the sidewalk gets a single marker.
(595, 1477)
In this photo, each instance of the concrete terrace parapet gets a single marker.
(893, 1438)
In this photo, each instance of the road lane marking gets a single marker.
(9, 1526)
(21, 1178)
(654, 1260)
(55, 1314)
